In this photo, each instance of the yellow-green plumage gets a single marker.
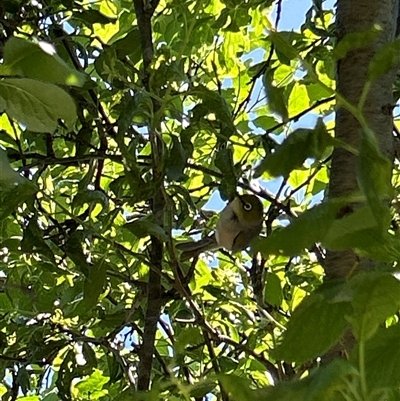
(239, 222)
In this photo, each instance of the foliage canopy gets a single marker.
(108, 152)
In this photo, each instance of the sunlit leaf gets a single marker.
(93, 383)
(185, 105)
(37, 105)
(39, 61)
(276, 96)
(298, 99)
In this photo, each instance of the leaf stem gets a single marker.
(361, 365)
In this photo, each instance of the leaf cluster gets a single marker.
(90, 136)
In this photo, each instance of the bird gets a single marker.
(238, 224)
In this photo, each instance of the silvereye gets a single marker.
(239, 222)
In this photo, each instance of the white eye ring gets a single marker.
(247, 207)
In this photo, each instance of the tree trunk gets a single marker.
(359, 16)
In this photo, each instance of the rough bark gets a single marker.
(359, 16)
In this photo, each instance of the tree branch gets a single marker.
(144, 11)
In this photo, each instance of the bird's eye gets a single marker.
(247, 207)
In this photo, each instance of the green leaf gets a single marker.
(277, 101)
(284, 391)
(375, 297)
(33, 241)
(353, 41)
(5, 304)
(185, 202)
(51, 397)
(114, 368)
(6, 138)
(317, 91)
(385, 59)
(175, 162)
(374, 176)
(124, 46)
(37, 105)
(273, 291)
(23, 380)
(265, 122)
(145, 228)
(14, 189)
(114, 71)
(237, 387)
(382, 358)
(94, 382)
(89, 355)
(279, 39)
(65, 374)
(356, 230)
(190, 336)
(74, 250)
(39, 61)
(298, 100)
(93, 285)
(201, 389)
(323, 383)
(128, 110)
(215, 103)
(292, 153)
(315, 326)
(310, 227)
(8, 176)
(128, 395)
(386, 248)
(143, 106)
(132, 184)
(91, 198)
(93, 17)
